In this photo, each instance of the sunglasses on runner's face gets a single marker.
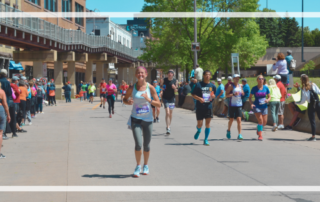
(260, 79)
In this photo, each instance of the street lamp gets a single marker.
(195, 61)
(302, 38)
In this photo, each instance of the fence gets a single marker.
(45, 29)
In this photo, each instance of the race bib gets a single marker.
(262, 101)
(142, 109)
(171, 105)
(103, 90)
(206, 97)
(124, 92)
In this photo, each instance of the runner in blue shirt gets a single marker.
(245, 97)
(260, 104)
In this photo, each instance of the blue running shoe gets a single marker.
(145, 170)
(228, 134)
(196, 136)
(240, 137)
(206, 143)
(137, 171)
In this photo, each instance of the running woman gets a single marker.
(156, 110)
(103, 91)
(204, 93)
(260, 104)
(124, 87)
(168, 98)
(112, 90)
(141, 117)
(91, 90)
(234, 92)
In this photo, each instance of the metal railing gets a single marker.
(45, 29)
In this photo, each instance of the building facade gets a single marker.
(105, 27)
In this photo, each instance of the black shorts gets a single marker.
(102, 95)
(204, 114)
(91, 94)
(235, 112)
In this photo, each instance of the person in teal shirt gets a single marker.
(220, 90)
(288, 59)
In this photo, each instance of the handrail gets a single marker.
(40, 27)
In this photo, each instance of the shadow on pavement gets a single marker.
(280, 139)
(99, 117)
(253, 139)
(106, 176)
(183, 144)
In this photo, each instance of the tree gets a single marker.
(309, 66)
(289, 31)
(307, 36)
(316, 37)
(172, 38)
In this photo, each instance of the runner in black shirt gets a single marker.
(204, 93)
(168, 97)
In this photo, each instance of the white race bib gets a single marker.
(142, 109)
(103, 90)
(171, 105)
(124, 92)
(262, 101)
(206, 97)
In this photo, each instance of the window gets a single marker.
(35, 2)
(119, 38)
(66, 7)
(128, 43)
(79, 8)
(50, 5)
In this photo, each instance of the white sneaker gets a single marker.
(30, 123)
(275, 128)
(280, 127)
(42, 112)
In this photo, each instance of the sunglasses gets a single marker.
(261, 79)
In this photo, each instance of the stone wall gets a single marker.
(303, 126)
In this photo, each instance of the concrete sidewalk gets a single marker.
(77, 144)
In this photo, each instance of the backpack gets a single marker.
(293, 64)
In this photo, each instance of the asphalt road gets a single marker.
(77, 144)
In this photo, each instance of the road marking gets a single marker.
(93, 108)
(159, 188)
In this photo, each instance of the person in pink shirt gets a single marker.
(111, 92)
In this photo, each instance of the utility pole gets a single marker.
(225, 24)
(302, 38)
(195, 61)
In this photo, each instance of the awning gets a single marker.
(14, 66)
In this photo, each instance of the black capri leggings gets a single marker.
(312, 118)
(141, 130)
(23, 105)
(110, 103)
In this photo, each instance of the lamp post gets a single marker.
(302, 38)
(195, 60)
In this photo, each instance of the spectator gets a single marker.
(4, 116)
(185, 91)
(192, 86)
(281, 67)
(52, 95)
(296, 110)
(40, 94)
(67, 91)
(283, 92)
(245, 97)
(191, 74)
(5, 86)
(288, 59)
(15, 108)
(198, 73)
(226, 101)
(310, 93)
(274, 102)
(23, 100)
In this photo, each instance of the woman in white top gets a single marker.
(281, 67)
(141, 117)
(310, 92)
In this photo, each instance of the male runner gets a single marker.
(204, 93)
(168, 98)
(124, 87)
(103, 91)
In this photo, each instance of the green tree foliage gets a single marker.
(283, 32)
(219, 37)
(309, 66)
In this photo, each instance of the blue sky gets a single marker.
(278, 5)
